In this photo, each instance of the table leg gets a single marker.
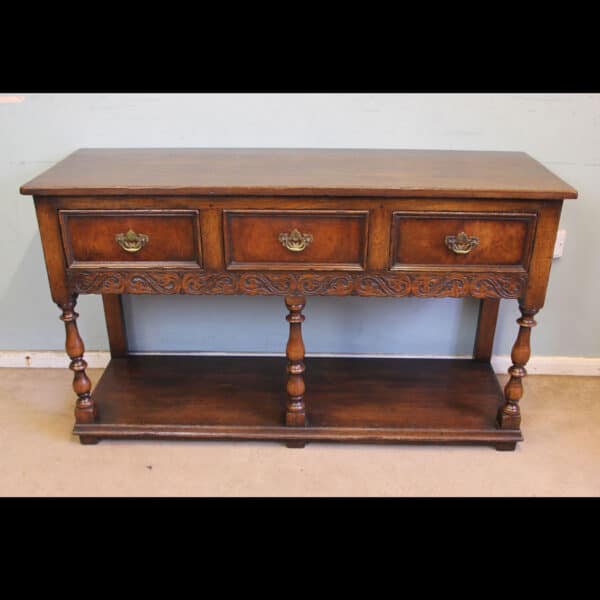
(85, 410)
(486, 328)
(509, 416)
(115, 324)
(295, 415)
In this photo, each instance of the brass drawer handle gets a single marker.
(132, 241)
(461, 243)
(295, 241)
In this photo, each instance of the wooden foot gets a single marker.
(509, 416)
(506, 446)
(88, 440)
(295, 415)
(296, 444)
(85, 411)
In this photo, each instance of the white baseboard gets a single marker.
(49, 359)
(538, 365)
(553, 365)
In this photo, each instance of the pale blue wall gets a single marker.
(560, 130)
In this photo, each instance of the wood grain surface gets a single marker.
(347, 399)
(338, 239)
(328, 172)
(503, 240)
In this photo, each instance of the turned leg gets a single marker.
(509, 416)
(85, 411)
(295, 415)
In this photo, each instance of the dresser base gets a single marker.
(347, 400)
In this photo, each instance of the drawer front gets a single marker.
(462, 240)
(140, 238)
(295, 239)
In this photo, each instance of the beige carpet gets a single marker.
(39, 457)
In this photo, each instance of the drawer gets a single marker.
(140, 238)
(462, 240)
(295, 239)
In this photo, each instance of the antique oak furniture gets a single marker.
(298, 223)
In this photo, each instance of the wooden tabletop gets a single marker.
(324, 172)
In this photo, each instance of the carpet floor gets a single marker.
(39, 457)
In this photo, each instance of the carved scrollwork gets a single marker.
(278, 284)
(100, 283)
(212, 283)
(317, 284)
(498, 286)
(159, 283)
(441, 285)
(383, 285)
(429, 285)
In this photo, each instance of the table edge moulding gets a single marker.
(298, 223)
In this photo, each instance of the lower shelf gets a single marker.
(347, 399)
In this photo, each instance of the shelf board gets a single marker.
(347, 399)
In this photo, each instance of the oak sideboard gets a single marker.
(299, 223)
